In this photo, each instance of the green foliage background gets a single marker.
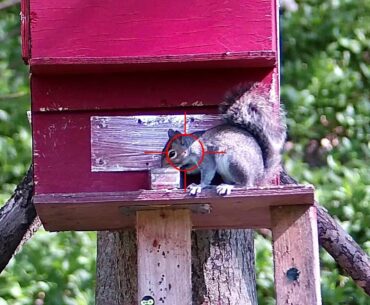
(326, 86)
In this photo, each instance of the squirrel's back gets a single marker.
(250, 108)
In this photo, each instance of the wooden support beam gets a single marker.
(296, 255)
(164, 256)
(243, 208)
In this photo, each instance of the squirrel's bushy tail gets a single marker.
(250, 107)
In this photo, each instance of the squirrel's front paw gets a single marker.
(224, 189)
(194, 189)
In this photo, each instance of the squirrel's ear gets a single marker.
(172, 133)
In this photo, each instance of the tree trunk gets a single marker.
(346, 252)
(16, 217)
(223, 267)
(116, 266)
(222, 270)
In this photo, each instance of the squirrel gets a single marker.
(251, 140)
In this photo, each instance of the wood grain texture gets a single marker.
(74, 28)
(164, 255)
(102, 211)
(296, 255)
(164, 178)
(73, 65)
(129, 143)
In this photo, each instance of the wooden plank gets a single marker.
(133, 143)
(296, 255)
(243, 208)
(164, 178)
(136, 28)
(85, 65)
(25, 30)
(62, 162)
(152, 90)
(164, 256)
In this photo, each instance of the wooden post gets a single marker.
(164, 256)
(296, 255)
(164, 248)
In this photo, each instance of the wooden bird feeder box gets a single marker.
(109, 78)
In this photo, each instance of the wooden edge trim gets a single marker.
(25, 30)
(248, 55)
(178, 196)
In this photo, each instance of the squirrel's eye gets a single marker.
(172, 154)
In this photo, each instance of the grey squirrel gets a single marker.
(252, 138)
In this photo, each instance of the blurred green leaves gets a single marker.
(53, 269)
(15, 139)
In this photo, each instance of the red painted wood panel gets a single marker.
(95, 28)
(63, 105)
(62, 155)
(161, 89)
(243, 208)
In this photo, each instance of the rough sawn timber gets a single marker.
(296, 255)
(164, 255)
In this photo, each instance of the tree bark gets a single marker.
(222, 268)
(346, 252)
(116, 268)
(16, 217)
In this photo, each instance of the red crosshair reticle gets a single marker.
(168, 159)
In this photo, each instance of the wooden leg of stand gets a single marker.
(296, 255)
(164, 256)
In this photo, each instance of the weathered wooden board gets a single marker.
(243, 208)
(95, 28)
(164, 178)
(164, 256)
(135, 143)
(296, 255)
